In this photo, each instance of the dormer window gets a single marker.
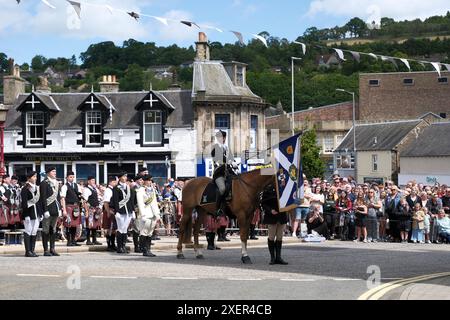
(152, 127)
(240, 76)
(94, 128)
(35, 129)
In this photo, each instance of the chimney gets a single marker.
(202, 47)
(43, 85)
(13, 84)
(109, 84)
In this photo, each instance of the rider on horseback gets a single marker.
(223, 158)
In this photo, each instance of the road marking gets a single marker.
(243, 279)
(299, 280)
(378, 292)
(38, 275)
(343, 279)
(111, 277)
(178, 278)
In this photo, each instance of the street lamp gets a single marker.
(293, 105)
(3, 112)
(354, 117)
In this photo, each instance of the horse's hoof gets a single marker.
(180, 256)
(246, 260)
(200, 257)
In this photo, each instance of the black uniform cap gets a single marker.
(147, 177)
(15, 178)
(123, 173)
(31, 173)
(90, 178)
(49, 169)
(70, 173)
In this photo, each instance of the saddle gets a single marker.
(209, 195)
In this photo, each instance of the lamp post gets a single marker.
(3, 112)
(354, 123)
(293, 96)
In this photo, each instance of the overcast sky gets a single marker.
(32, 27)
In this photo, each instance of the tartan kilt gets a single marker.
(3, 216)
(96, 222)
(74, 222)
(223, 221)
(109, 221)
(210, 223)
(256, 217)
(13, 214)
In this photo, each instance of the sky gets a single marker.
(32, 27)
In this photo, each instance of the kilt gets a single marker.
(256, 217)
(109, 221)
(3, 216)
(94, 221)
(210, 223)
(223, 221)
(74, 221)
(13, 214)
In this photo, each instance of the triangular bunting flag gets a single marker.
(134, 15)
(356, 55)
(162, 20)
(239, 36)
(437, 67)
(303, 46)
(190, 23)
(406, 62)
(110, 9)
(340, 54)
(390, 59)
(76, 6)
(447, 66)
(48, 4)
(262, 39)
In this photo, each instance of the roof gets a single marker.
(211, 77)
(430, 142)
(122, 104)
(378, 136)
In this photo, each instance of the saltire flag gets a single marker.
(289, 174)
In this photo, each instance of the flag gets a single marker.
(288, 172)
(340, 54)
(437, 67)
(162, 20)
(239, 36)
(303, 46)
(262, 39)
(134, 15)
(190, 23)
(356, 55)
(76, 6)
(48, 4)
(406, 62)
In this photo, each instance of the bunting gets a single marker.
(190, 23)
(239, 36)
(406, 62)
(134, 15)
(437, 67)
(356, 55)
(76, 6)
(303, 46)
(340, 54)
(262, 39)
(48, 4)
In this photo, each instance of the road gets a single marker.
(333, 270)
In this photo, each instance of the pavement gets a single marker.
(333, 270)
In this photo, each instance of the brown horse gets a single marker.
(246, 188)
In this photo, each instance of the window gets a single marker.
(375, 162)
(329, 144)
(443, 80)
(35, 129)
(443, 115)
(152, 127)
(253, 132)
(319, 143)
(408, 82)
(93, 128)
(374, 83)
(223, 123)
(83, 171)
(158, 172)
(345, 161)
(339, 139)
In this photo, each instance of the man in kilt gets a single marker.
(31, 213)
(4, 187)
(109, 224)
(70, 202)
(13, 203)
(50, 199)
(138, 183)
(93, 211)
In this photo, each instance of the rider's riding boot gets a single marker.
(271, 245)
(210, 239)
(219, 204)
(278, 259)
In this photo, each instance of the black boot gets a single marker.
(113, 242)
(45, 238)
(88, 237)
(253, 232)
(33, 245)
(94, 238)
(147, 247)
(224, 234)
(210, 240)
(138, 243)
(124, 243)
(271, 245)
(119, 243)
(52, 245)
(108, 242)
(73, 233)
(69, 239)
(278, 259)
(27, 243)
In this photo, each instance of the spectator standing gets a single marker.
(317, 198)
(343, 208)
(374, 206)
(403, 215)
(361, 211)
(418, 224)
(443, 225)
(329, 210)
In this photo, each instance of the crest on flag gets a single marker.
(288, 172)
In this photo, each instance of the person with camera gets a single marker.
(70, 203)
(316, 222)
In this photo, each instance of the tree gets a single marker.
(133, 80)
(25, 67)
(313, 166)
(38, 63)
(4, 64)
(357, 27)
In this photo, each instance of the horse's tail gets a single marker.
(188, 229)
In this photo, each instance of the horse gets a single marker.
(245, 191)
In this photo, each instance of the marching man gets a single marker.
(70, 202)
(31, 213)
(149, 214)
(109, 222)
(123, 203)
(93, 211)
(49, 190)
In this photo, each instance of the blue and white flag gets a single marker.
(289, 176)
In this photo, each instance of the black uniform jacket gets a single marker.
(31, 204)
(269, 202)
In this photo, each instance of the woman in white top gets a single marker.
(317, 198)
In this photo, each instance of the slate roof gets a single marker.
(378, 136)
(433, 141)
(123, 104)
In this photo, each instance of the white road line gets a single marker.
(391, 278)
(110, 277)
(177, 278)
(241, 279)
(342, 279)
(38, 275)
(299, 280)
